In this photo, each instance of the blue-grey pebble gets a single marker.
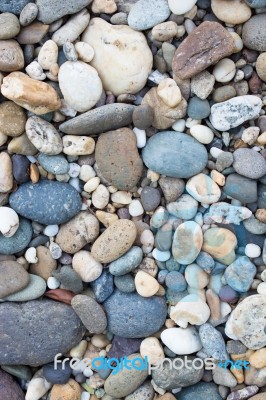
(39, 241)
(200, 391)
(46, 202)
(239, 275)
(164, 237)
(125, 283)
(127, 263)
(205, 261)
(57, 164)
(103, 286)
(241, 188)
(173, 154)
(176, 281)
(20, 167)
(253, 225)
(69, 279)
(141, 18)
(13, 6)
(172, 264)
(261, 195)
(58, 376)
(256, 3)
(185, 207)
(35, 289)
(173, 297)
(218, 268)
(50, 12)
(150, 198)
(213, 342)
(19, 241)
(162, 275)
(198, 108)
(132, 316)
(19, 371)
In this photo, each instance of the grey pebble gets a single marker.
(69, 279)
(19, 241)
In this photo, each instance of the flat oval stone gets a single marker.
(239, 275)
(173, 154)
(46, 202)
(9, 26)
(35, 289)
(132, 316)
(249, 163)
(38, 335)
(127, 263)
(254, 32)
(43, 136)
(90, 313)
(220, 243)
(13, 278)
(241, 188)
(187, 242)
(140, 18)
(117, 158)
(19, 241)
(9, 389)
(56, 164)
(200, 391)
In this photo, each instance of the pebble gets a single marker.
(185, 251)
(209, 191)
(11, 26)
(254, 33)
(55, 164)
(228, 214)
(146, 285)
(85, 265)
(59, 376)
(196, 277)
(185, 207)
(244, 158)
(252, 250)
(69, 391)
(191, 309)
(103, 286)
(125, 283)
(43, 136)
(234, 112)
(202, 133)
(179, 8)
(19, 241)
(182, 341)
(205, 261)
(198, 109)
(260, 66)
(169, 92)
(152, 349)
(72, 29)
(250, 135)
(32, 33)
(132, 316)
(53, 283)
(256, 3)
(14, 278)
(222, 376)
(9, 221)
(34, 289)
(6, 178)
(85, 51)
(78, 145)
(163, 239)
(100, 197)
(48, 55)
(139, 17)
(68, 279)
(213, 342)
(35, 96)
(11, 58)
(87, 227)
(90, 313)
(144, 392)
(160, 155)
(202, 84)
(48, 14)
(143, 116)
(223, 93)
(10, 389)
(13, 6)
(201, 390)
(104, 6)
(150, 198)
(124, 68)
(28, 14)
(226, 11)
(241, 188)
(224, 71)
(220, 243)
(22, 145)
(122, 170)
(246, 322)
(239, 275)
(29, 201)
(127, 263)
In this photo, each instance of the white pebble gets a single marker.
(147, 238)
(161, 255)
(51, 230)
(100, 197)
(261, 289)
(252, 250)
(85, 51)
(135, 208)
(87, 372)
(35, 71)
(121, 197)
(31, 255)
(191, 122)
(92, 184)
(239, 76)
(66, 110)
(202, 133)
(53, 283)
(215, 152)
(141, 137)
(85, 396)
(224, 70)
(86, 173)
(75, 183)
(179, 125)
(9, 221)
(74, 170)
(55, 251)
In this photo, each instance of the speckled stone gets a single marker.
(69, 279)
(19, 241)
(124, 346)
(47, 202)
(103, 286)
(140, 18)
(254, 33)
(213, 342)
(130, 315)
(239, 275)
(54, 164)
(200, 391)
(51, 11)
(9, 388)
(125, 283)
(13, 6)
(249, 163)
(241, 188)
(90, 313)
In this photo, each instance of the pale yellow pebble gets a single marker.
(262, 139)
(164, 31)
(100, 341)
(180, 31)
(106, 218)
(146, 285)
(249, 354)
(238, 374)
(121, 197)
(250, 135)
(161, 291)
(191, 14)
(169, 323)
(100, 197)
(153, 176)
(104, 6)
(217, 177)
(238, 42)
(78, 145)
(258, 359)
(3, 139)
(152, 349)
(92, 184)
(79, 350)
(169, 92)
(236, 357)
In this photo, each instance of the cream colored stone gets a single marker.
(250, 134)
(78, 145)
(104, 6)
(218, 178)
(35, 96)
(3, 139)
(164, 31)
(92, 184)
(258, 359)
(6, 177)
(38, 386)
(106, 218)
(169, 92)
(224, 70)
(85, 51)
(85, 265)
(152, 348)
(190, 310)
(261, 66)
(181, 7)
(202, 133)
(262, 139)
(35, 71)
(232, 12)
(48, 54)
(121, 197)
(196, 277)
(11, 56)
(73, 28)
(9, 221)
(100, 197)
(122, 56)
(43, 136)
(79, 350)
(146, 285)
(203, 189)
(238, 42)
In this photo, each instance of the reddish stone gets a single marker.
(62, 295)
(9, 389)
(255, 84)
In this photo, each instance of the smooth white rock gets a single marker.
(35, 71)
(48, 54)
(179, 125)
(224, 70)
(71, 30)
(31, 255)
(261, 289)
(180, 7)
(252, 250)
(86, 266)
(141, 137)
(37, 387)
(74, 170)
(9, 221)
(135, 208)
(53, 283)
(51, 230)
(121, 197)
(100, 197)
(202, 133)
(86, 173)
(85, 51)
(215, 152)
(161, 255)
(203, 189)
(92, 184)
(182, 341)
(190, 310)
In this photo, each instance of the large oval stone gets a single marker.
(46, 202)
(187, 242)
(132, 316)
(44, 328)
(173, 154)
(118, 159)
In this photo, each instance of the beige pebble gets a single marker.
(224, 70)
(100, 340)
(238, 374)
(213, 302)
(3, 139)
(85, 51)
(106, 218)
(78, 145)
(9, 26)
(85, 265)
(48, 54)
(73, 28)
(146, 285)
(92, 184)
(45, 265)
(202, 133)
(217, 177)
(22, 145)
(258, 359)
(203, 189)
(43, 136)
(238, 42)
(9, 221)
(148, 265)
(152, 348)
(250, 134)
(100, 197)
(165, 31)
(190, 310)
(121, 197)
(33, 33)
(34, 173)
(220, 243)
(12, 119)
(35, 71)
(11, 57)
(262, 139)
(104, 6)
(231, 12)
(86, 173)
(169, 92)
(79, 350)
(6, 177)
(261, 214)
(261, 66)
(69, 391)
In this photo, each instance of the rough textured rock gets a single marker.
(12, 119)
(90, 313)
(117, 158)
(43, 136)
(204, 46)
(9, 388)
(50, 11)
(200, 391)
(13, 278)
(249, 163)
(36, 340)
(254, 32)
(13, 6)
(11, 56)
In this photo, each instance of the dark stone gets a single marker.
(123, 347)
(20, 165)
(241, 188)
(198, 108)
(13, 6)
(150, 198)
(9, 388)
(143, 116)
(69, 279)
(200, 391)
(19, 241)
(57, 376)
(103, 286)
(235, 347)
(44, 328)
(90, 313)
(261, 195)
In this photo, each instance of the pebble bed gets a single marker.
(132, 198)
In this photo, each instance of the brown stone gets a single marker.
(11, 56)
(62, 295)
(118, 159)
(35, 96)
(260, 396)
(255, 84)
(164, 116)
(12, 119)
(13, 278)
(69, 391)
(204, 46)
(32, 33)
(45, 265)
(9, 389)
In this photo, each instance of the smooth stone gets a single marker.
(204, 46)
(122, 169)
(50, 12)
(122, 56)
(187, 242)
(90, 313)
(227, 214)
(19, 371)
(13, 6)
(86, 267)
(10, 389)
(182, 341)
(220, 243)
(33, 322)
(213, 342)
(103, 286)
(202, 84)
(140, 18)
(11, 26)
(163, 238)
(115, 241)
(160, 154)
(21, 145)
(125, 283)
(11, 57)
(46, 202)
(13, 278)
(132, 316)
(57, 376)
(241, 188)
(172, 188)
(200, 391)
(9, 221)
(144, 392)
(56, 164)
(126, 381)
(190, 309)
(170, 378)
(45, 265)
(255, 226)
(256, 3)
(239, 275)
(101, 119)
(12, 119)
(35, 289)
(203, 189)
(32, 33)
(180, 8)
(225, 11)
(185, 207)
(19, 241)
(6, 178)
(196, 278)
(143, 116)
(247, 322)
(70, 390)
(205, 261)
(123, 347)
(28, 14)
(127, 263)
(198, 108)
(80, 85)
(20, 166)
(224, 71)
(48, 54)
(150, 198)
(234, 112)
(43, 136)
(78, 145)
(254, 32)
(223, 93)
(73, 28)
(249, 163)
(202, 133)
(69, 279)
